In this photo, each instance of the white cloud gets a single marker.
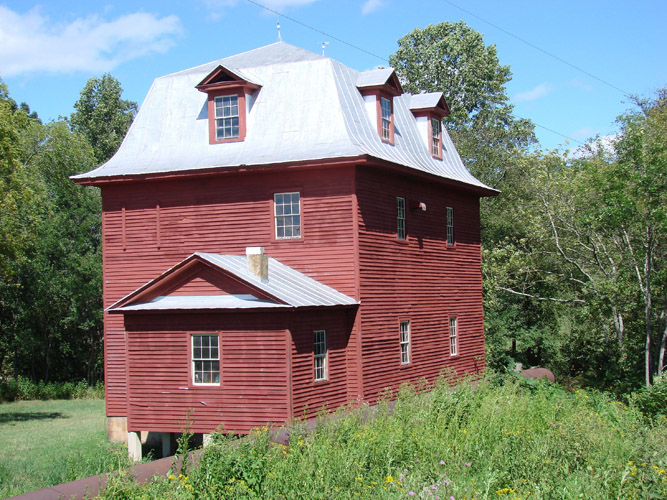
(578, 83)
(542, 90)
(371, 6)
(32, 43)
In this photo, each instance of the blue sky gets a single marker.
(48, 50)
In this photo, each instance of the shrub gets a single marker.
(24, 389)
(652, 400)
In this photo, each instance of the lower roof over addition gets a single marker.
(284, 288)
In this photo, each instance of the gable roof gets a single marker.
(285, 288)
(429, 100)
(385, 77)
(322, 116)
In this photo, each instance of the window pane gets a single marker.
(287, 214)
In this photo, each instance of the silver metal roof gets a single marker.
(424, 101)
(201, 302)
(308, 108)
(290, 287)
(374, 77)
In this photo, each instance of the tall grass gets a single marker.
(493, 440)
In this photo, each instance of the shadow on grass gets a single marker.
(6, 418)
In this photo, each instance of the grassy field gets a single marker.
(498, 440)
(51, 442)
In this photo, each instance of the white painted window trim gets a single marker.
(404, 330)
(221, 119)
(291, 220)
(203, 359)
(385, 120)
(320, 356)
(453, 336)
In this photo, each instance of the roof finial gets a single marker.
(324, 44)
(280, 38)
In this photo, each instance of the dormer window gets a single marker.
(379, 87)
(226, 117)
(429, 110)
(229, 98)
(387, 123)
(436, 138)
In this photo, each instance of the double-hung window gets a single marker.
(385, 106)
(226, 117)
(205, 360)
(435, 138)
(405, 342)
(453, 337)
(450, 226)
(320, 355)
(400, 218)
(287, 211)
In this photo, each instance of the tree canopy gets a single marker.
(102, 116)
(452, 58)
(50, 236)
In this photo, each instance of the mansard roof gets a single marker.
(307, 108)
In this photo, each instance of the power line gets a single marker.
(538, 48)
(558, 133)
(387, 61)
(315, 29)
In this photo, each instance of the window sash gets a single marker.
(405, 342)
(385, 105)
(227, 117)
(450, 226)
(287, 212)
(320, 357)
(205, 360)
(400, 218)
(453, 337)
(435, 137)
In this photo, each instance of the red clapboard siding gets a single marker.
(421, 280)
(310, 397)
(254, 372)
(219, 214)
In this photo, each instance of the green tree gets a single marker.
(50, 250)
(102, 116)
(452, 58)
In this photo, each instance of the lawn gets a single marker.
(51, 442)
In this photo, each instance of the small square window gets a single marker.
(320, 357)
(450, 226)
(400, 218)
(205, 360)
(453, 337)
(405, 342)
(287, 212)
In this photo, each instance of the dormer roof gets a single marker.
(433, 102)
(379, 79)
(320, 96)
(222, 77)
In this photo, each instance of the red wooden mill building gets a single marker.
(283, 233)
